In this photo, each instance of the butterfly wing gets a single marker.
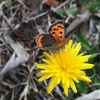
(45, 40)
(57, 30)
(55, 39)
(62, 43)
(57, 45)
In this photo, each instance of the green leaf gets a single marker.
(70, 95)
(94, 55)
(92, 5)
(72, 10)
(82, 87)
(62, 12)
(81, 38)
(98, 83)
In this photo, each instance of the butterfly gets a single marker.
(55, 39)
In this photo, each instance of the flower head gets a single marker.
(65, 66)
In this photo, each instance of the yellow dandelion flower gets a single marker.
(65, 66)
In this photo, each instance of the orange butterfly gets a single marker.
(55, 39)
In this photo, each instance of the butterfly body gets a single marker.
(55, 39)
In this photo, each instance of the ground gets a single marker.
(21, 21)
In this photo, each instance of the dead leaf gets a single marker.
(78, 21)
(51, 2)
(95, 95)
(17, 47)
(13, 62)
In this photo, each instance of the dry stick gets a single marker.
(77, 22)
(12, 86)
(22, 3)
(54, 9)
(40, 15)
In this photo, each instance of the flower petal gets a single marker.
(52, 84)
(66, 66)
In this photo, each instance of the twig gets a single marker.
(54, 9)
(4, 29)
(40, 15)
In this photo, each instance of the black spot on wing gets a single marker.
(60, 32)
(53, 32)
(55, 23)
(60, 36)
(54, 29)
